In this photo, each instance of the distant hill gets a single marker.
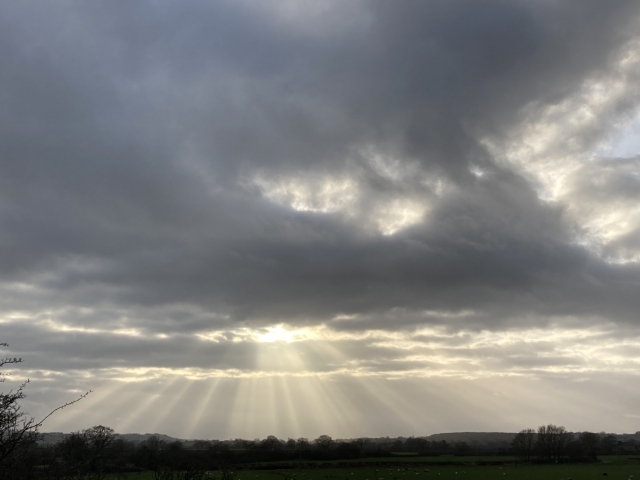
(625, 437)
(52, 438)
(141, 437)
(473, 437)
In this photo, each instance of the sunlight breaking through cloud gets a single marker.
(364, 216)
(322, 195)
(423, 353)
(557, 147)
(344, 196)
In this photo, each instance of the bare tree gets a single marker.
(523, 444)
(15, 428)
(552, 442)
(18, 431)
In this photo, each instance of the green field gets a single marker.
(616, 468)
(407, 460)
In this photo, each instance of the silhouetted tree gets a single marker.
(120, 453)
(397, 446)
(271, 443)
(590, 442)
(462, 448)
(324, 442)
(175, 446)
(360, 442)
(606, 443)
(201, 445)
(99, 439)
(75, 453)
(149, 453)
(442, 446)
(523, 444)
(347, 450)
(414, 444)
(551, 442)
(18, 432)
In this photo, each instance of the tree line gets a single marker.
(97, 452)
(552, 443)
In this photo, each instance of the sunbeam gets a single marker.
(176, 405)
(146, 405)
(289, 421)
(207, 403)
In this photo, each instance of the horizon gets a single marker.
(236, 219)
(335, 439)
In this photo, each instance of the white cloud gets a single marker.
(322, 194)
(557, 147)
(387, 214)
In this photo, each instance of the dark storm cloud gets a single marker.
(131, 134)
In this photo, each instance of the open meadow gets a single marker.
(471, 468)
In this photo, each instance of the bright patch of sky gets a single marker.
(625, 143)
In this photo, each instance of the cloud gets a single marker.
(379, 188)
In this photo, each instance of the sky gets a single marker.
(235, 219)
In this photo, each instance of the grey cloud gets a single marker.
(605, 186)
(131, 132)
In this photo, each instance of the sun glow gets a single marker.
(398, 215)
(316, 379)
(278, 333)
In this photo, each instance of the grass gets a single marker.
(616, 467)
(398, 459)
